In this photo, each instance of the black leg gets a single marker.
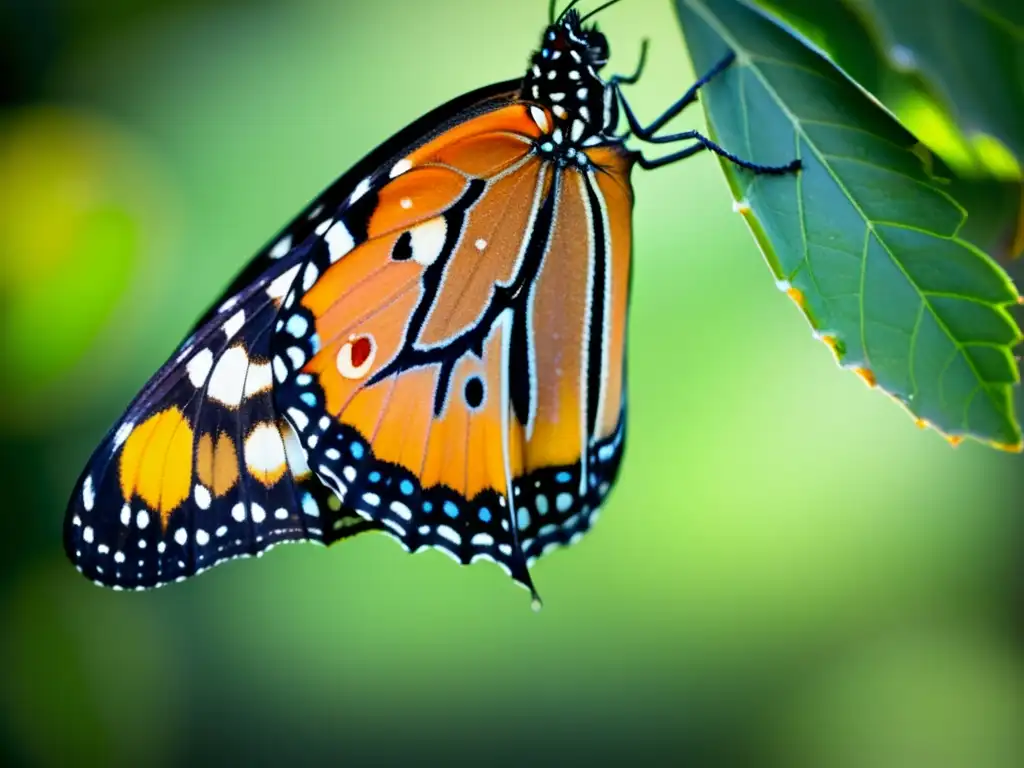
(682, 154)
(631, 79)
(645, 132)
(703, 142)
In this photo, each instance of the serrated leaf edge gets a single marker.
(831, 339)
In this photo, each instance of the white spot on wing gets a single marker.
(445, 532)
(298, 418)
(339, 241)
(361, 189)
(401, 510)
(280, 369)
(281, 284)
(293, 451)
(264, 449)
(235, 323)
(400, 167)
(540, 118)
(281, 247)
(297, 356)
(122, 433)
(199, 367)
(259, 514)
(202, 496)
(309, 276)
(88, 494)
(228, 378)
(427, 240)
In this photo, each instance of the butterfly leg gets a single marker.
(617, 80)
(703, 142)
(646, 133)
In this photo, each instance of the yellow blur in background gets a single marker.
(788, 573)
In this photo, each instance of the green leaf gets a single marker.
(838, 30)
(841, 31)
(971, 51)
(862, 237)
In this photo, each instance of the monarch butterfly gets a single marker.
(434, 348)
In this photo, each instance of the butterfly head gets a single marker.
(564, 79)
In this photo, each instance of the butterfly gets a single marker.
(434, 349)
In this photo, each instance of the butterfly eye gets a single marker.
(356, 357)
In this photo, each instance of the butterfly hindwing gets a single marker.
(202, 468)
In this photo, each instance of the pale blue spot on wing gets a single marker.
(523, 518)
(297, 326)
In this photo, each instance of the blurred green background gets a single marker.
(788, 574)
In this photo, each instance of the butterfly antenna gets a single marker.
(597, 10)
(551, 11)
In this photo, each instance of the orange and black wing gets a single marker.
(458, 377)
(204, 465)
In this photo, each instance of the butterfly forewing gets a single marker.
(475, 404)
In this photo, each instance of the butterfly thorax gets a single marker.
(575, 108)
